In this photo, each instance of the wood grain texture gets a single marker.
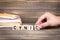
(44, 34)
(31, 9)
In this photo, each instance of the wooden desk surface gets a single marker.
(44, 34)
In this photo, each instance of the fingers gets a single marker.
(43, 25)
(41, 22)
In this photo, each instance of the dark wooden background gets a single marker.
(30, 9)
(29, 12)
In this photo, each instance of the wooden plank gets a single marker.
(7, 33)
(46, 34)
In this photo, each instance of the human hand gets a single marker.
(48, 19)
